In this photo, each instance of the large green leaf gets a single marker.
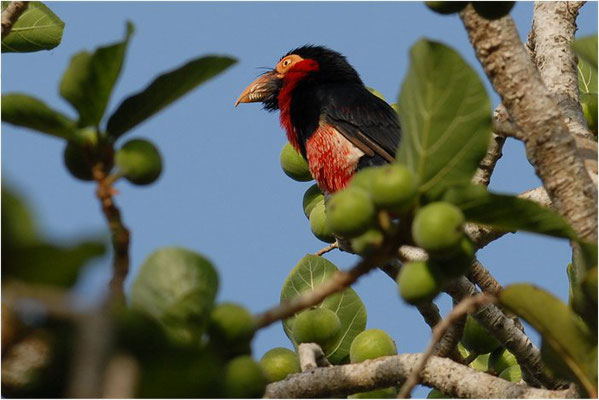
(586, 48)
(38, 28)
(571, 346)
(49, 264)
(309, 273)
(164, 90)
(445, 115)
(507, 213)
(29, 112)
(176, 287)
(90, 77)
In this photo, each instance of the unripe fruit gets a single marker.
(244, 378)
(318, 325)
(438, 227)
(139, 161)
(318, 223)
(294, 165)
(512, 374)
(80, 157)
(350, 212)
(312, 196)
(446, 7)
(231, 326)
(393, 188)
(459, 261)
(477, 338)
(370, 344)
(437, 394)
(78, 161)
(367, 242)
(493, 9)
(418, 282)
(279, 362)
(363, 178)
(376, 93)
(387, 393)
(501, 359)
(588, 101)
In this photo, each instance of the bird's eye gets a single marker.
(286, 62)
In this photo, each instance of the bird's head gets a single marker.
(315, 63)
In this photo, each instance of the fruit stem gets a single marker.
(120, 233)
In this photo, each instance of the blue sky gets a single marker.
(222, 192)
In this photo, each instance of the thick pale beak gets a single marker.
(258, 89)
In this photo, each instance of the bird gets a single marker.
(329, 115)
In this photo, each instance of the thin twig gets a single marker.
(120, 233)
(336, 283)
(464, 307)
(11, 14)
(121, 377)
(326, 249)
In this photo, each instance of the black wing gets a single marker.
(364, 119)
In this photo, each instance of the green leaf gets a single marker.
(507, 213)
(29, 112)
(49, 264)
(446, 116)
(587, 77)
(164, 90)
(38, 28)
(177, 287)
(18, 226)
(310, 272)
(90, 77)
(561, 329)
(586, 48)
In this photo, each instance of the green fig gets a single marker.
(370, 344)
(139, 161)
(279, 362)
(350, 212)
(244, 378)
(418, 281)
(312, 197)
(438, 227)
(317, 325)
(294, 165)
(318, 223)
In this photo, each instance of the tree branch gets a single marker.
(311, 356)
(466, 306)
(506, 331)
(553, 29)
(120, 233)
(550, 147)
(11, 14)
(444, 374)
(337, 282)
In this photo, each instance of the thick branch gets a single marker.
(442, 373)
(550, 147)
(553, 29)
(11, 14)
